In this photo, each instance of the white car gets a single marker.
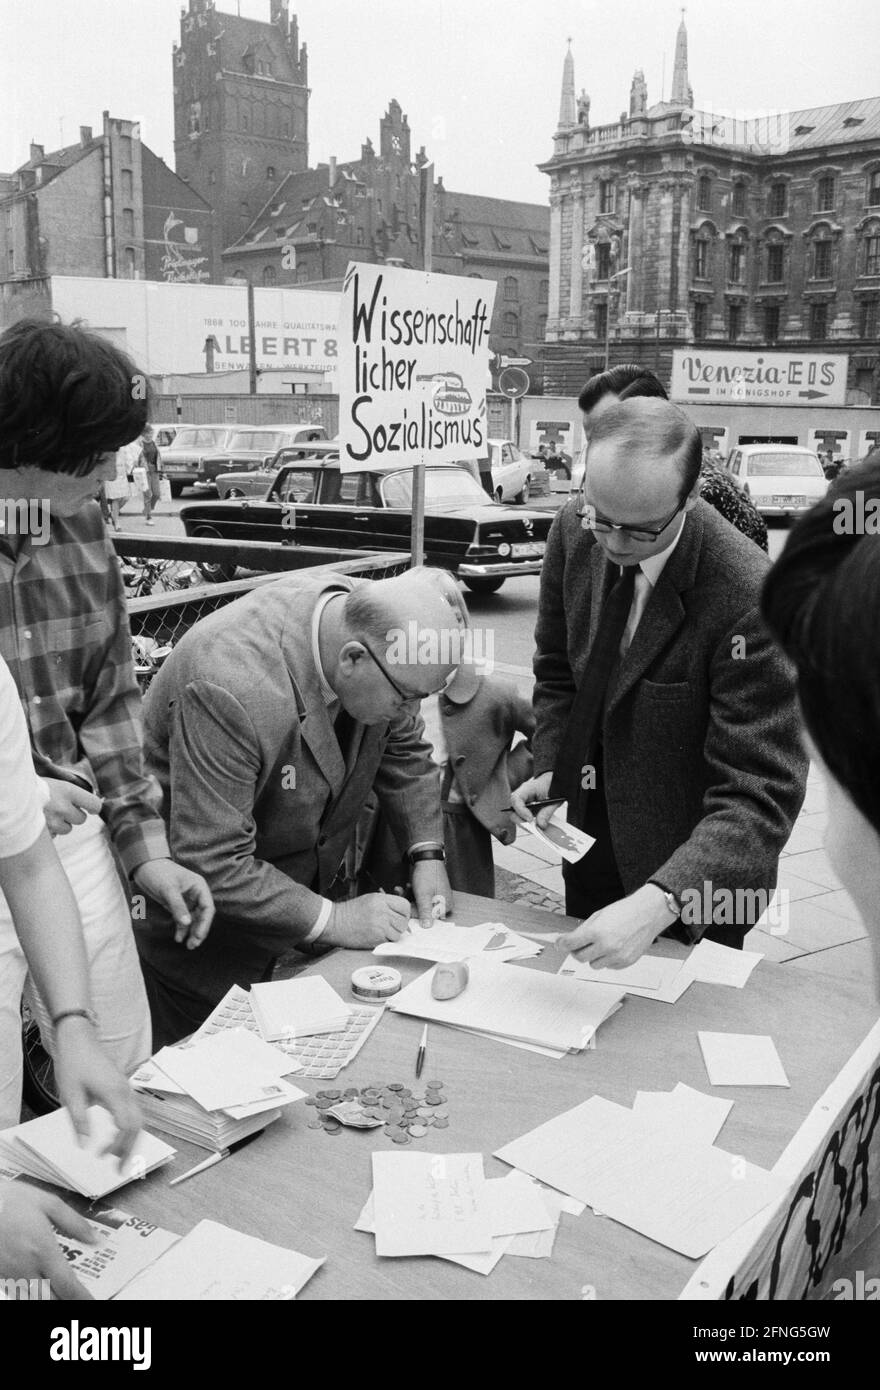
(511, 471)
(780, 479)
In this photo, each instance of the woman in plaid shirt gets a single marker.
(68, 400)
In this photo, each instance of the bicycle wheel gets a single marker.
(39, 1088)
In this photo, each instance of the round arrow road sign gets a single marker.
(513, 382)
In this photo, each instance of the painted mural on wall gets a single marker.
(181, 264)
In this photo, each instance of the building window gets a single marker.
(825, 193)
(701, 259)
(542, 326)
(822, 260)
(775, 264)
(127, 222)
(125, 148)
(601, 321)
(510, 325)
(872, 255)
(819, 322)
(603, 260)
(699, 320)
(737, 263)
(734, 322)
(607, 195)
(212, 177)
(359, 236)
(739, 199)
(130, 264)
(312, 228)
(874, 188)
(270, 275)
(302, 275)
(704, 192)
(195, 117)
(511, 289)
(270, 172)
(778, 200)
(771, 323)
(360, 190)
(869, 318)
(544, 291)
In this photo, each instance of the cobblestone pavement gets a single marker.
(513, 888)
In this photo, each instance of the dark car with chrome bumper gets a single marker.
(311, 502)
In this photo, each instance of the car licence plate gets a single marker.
(786, 501)
(526, 549)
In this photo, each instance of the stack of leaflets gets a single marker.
(214, 1091)
(298, 1008)
(48, 1149)
(528, 1007)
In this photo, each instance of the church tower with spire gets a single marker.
(682, 93)
(568, 101)
(240, 108)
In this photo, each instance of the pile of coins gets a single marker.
(394, 1108)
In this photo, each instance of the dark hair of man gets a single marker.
(821, 600)
(655, 426)
(627, 380)
(67, 396)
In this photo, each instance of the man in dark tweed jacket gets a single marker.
(692, 780)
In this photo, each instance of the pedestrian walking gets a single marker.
(151, 464)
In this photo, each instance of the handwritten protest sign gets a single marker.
(413, 357)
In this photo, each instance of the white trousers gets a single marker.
(117, 987)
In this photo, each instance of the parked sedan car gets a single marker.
(183, 461)
(510, 468)
(781, 479)
(255, 482)
(250, 447)
(310, 502)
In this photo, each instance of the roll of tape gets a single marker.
(373, 982)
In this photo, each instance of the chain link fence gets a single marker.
(160, 620)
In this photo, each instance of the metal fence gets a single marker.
(162, 619)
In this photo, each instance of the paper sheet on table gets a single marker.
(690, 1113)
(50, 1146)
(567, 841)
(430, 1204)
(232, 1068)
(480, 1264)
(672, 985)
(713, 964)
(446, 942)
(215, 1262)
(125, 1246)
(742, 1059)
(529, 1005)
(649, 974)
(683, 1195)
(554, 1052)
(299, 1008)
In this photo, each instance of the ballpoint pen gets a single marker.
(420, 1059)
(216, 1158)
(539, 805)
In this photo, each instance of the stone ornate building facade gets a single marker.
(675, 226)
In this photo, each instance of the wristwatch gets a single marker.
(672, 903)
(416, 856)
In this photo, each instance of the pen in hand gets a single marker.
(420, 1059)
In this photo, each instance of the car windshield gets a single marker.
(261, 442)
(786, 465)
(443, 487)
(198, 438)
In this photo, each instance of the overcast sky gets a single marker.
(479, 79)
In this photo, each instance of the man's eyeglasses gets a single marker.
(602, 525)
(408, 696)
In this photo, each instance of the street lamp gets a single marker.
(618, 275)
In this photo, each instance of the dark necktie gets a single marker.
(579, 742)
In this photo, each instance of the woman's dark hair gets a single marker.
(821, 601)
(67, 395)
(626, 381)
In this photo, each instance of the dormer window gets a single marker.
(850, 121)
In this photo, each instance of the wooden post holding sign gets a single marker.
(252, 340)
(426, 231)
(412, 373)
